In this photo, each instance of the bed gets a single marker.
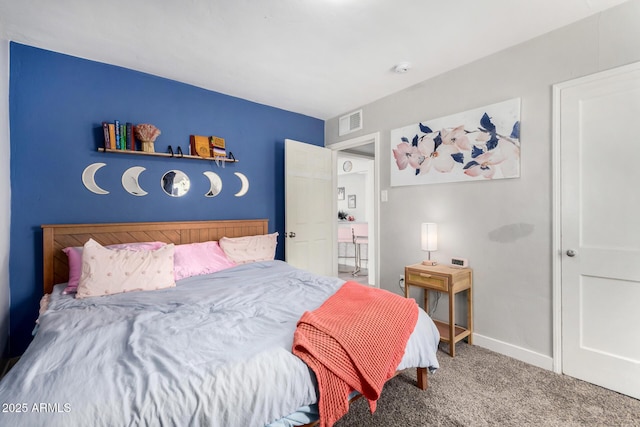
(215, 349)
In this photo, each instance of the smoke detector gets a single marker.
(402, 68)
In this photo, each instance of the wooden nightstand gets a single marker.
(450, 280)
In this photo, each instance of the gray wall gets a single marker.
(354, 184)
(503, 227)
(5, 194)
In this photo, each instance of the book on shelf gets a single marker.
(199, 145)
(112, 136)
(105, 131)
(116, 125)
(119, 136)
(123, 136)
(217, 147)
(131, 145)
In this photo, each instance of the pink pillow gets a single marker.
(113, 271)
(247, 249)
(74, 257)
(194, 259)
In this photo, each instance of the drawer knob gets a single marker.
(425, 275)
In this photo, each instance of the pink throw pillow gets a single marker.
(194, 259)
(74, 258)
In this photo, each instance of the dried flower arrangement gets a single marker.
(147, 134)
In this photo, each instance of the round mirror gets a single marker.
(175, 183)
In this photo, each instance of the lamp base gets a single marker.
(429, 262)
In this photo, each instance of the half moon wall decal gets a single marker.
(215, 184)
(89, 178)
(130, 181)
(245, 184)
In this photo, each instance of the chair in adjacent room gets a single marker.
(346, 240)
(360, 233)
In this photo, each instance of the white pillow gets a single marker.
(246, 249)
(112, 271)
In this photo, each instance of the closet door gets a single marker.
(600, 210)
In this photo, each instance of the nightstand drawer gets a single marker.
(419, 278)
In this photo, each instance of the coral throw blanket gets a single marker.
(354, 341)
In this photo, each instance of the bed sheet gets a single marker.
(178, 356)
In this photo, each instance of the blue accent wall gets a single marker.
(57, 104)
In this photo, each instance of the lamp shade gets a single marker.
(429, 234)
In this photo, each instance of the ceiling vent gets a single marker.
(350, 123)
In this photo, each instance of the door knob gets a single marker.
(292, 234)
(571, 253)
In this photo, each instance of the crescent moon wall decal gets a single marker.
(89, 178)
(130, 181)
(245, 184)
(215, 184)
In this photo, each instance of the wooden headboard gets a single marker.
(59, 236)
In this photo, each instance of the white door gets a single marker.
(309, 218)
(600, 210)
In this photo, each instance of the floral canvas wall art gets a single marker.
(476, 145)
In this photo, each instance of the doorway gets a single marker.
(355, 171)
(357, 208)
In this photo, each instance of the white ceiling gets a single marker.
(321, 58)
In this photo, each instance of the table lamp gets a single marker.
(429, 240)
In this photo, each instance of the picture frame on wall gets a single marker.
(352, 201)
(340, 193)
(481, 144)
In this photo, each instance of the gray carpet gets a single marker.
(482, 388)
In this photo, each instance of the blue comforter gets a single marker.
(215, 350)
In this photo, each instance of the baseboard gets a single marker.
(519, 353)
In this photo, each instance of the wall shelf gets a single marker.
(177, 156)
